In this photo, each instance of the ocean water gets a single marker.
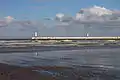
(87, 64)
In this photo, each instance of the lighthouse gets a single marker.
(87, 35)
(36, 34)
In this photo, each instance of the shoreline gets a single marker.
(36, 46)
(40, 48)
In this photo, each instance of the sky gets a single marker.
(38, 9)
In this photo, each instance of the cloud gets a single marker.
(93, 16)
(24, 24)
(97, 13)
(6, 21)
(94, 19)
(9, 19)
(3, 23)
(99, 18)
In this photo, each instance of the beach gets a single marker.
(83, 64)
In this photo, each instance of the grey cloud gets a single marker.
(30, 26)
(3, 23)
(100, 23)
(108, 17)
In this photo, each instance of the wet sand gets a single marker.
(18, 49)
(89, 64)
(10, 72)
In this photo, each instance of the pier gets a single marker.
(75, 38)
(45, 43)
(61, 38)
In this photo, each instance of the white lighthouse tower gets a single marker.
(36, 34)
(87, 34)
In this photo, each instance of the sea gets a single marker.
(83, 64)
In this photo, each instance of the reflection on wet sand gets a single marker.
(89, 64)
(10, 72)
